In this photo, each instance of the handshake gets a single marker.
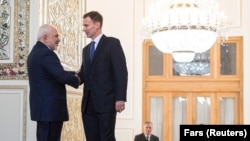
(77, 76)
(72, 81)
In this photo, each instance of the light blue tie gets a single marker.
(92, 51)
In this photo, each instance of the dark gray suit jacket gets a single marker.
(106, 76)
(141, 137)
(47, 80)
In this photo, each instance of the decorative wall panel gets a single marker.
(13, 109)
(73, 129)
(5, 19)
(66, 15)
(14, 33)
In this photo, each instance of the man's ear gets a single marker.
(98, 24)
(45, 37)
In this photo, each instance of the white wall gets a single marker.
(245, 32)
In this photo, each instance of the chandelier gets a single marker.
(185, 27)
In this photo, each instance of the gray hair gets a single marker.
(43, 30)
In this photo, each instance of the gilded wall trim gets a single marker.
(17, 68)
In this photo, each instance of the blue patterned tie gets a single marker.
(92, 51)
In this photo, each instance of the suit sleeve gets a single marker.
(81, 73)
(136, 138)
(53, 66)
(156, 138)
(120, 70)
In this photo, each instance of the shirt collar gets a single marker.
(97, 39)
(147, 135)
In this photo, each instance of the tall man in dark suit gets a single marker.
(147, 133)
(47, 79)
(105, 79)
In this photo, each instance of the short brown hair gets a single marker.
(94, 16)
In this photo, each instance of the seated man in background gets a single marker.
(146, 135)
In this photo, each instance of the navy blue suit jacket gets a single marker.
(141, 137)
(47, 80)
(106, 77)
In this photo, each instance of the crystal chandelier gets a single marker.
(185, 27)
